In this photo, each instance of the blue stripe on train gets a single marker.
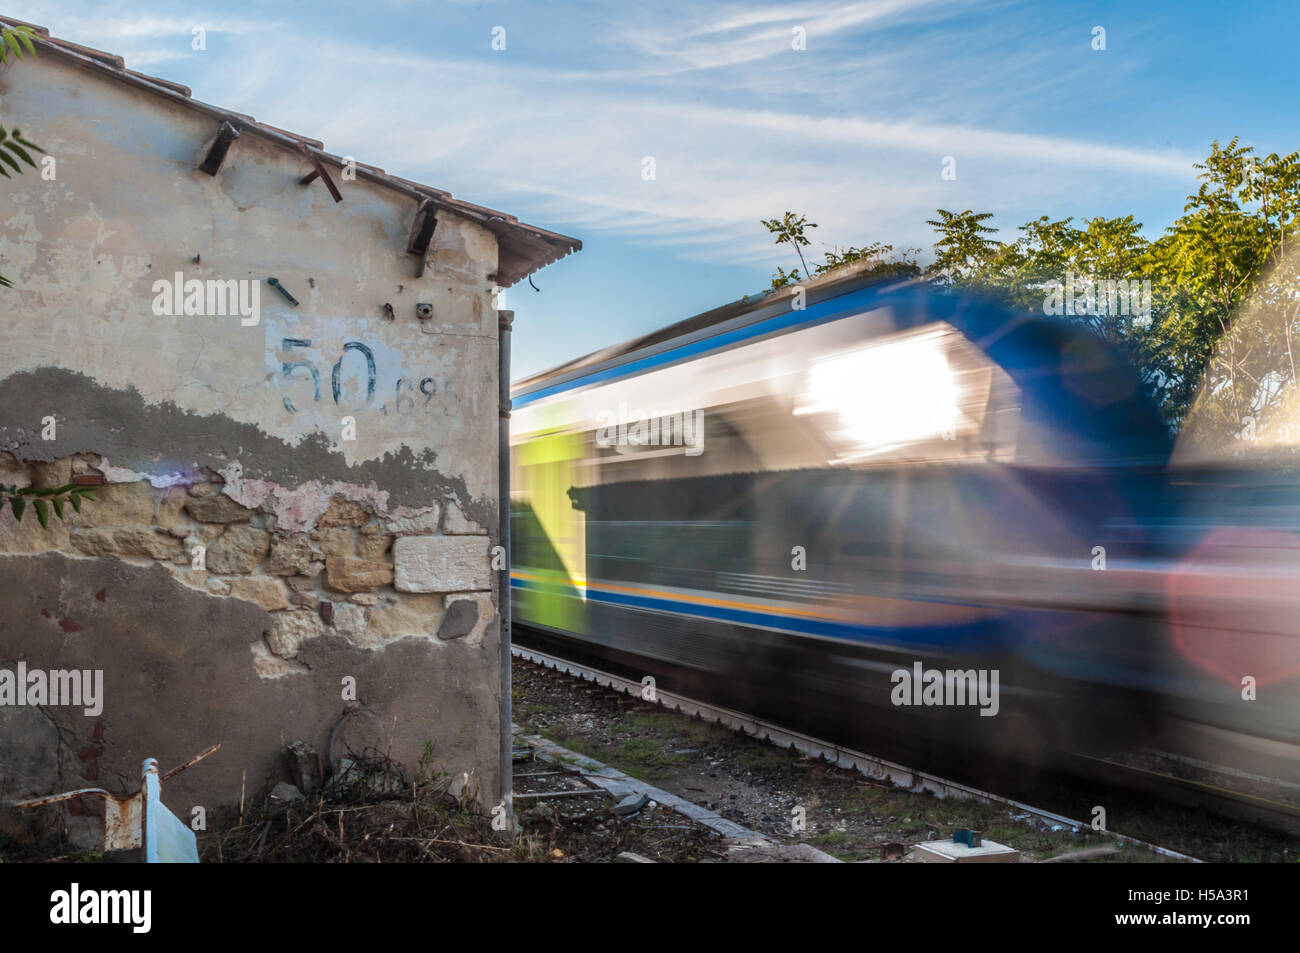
(821, 313)
(983, 635)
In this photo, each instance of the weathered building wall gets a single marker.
(325, 557)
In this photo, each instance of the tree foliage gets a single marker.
(1224, 286)
(962, 248)
(789, 229)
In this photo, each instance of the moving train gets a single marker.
(906, 521)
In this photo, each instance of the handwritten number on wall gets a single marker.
(403, 404)
(288, 367)
(370, 370)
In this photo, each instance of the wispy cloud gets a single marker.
(944, 139)
(742, 35)
(571, 152)
(852, 131)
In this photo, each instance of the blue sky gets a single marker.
(851, 130)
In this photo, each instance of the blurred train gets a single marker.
(908, 522)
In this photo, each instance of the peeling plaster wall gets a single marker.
(179, 409)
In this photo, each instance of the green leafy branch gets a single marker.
(14, 149)
(43, 501)
(13, 39)
(790, 230)
(12, 141)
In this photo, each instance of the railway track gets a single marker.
(1268, 809)
(879, 769)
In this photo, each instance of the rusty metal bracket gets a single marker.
(226, 137)
(141, 820)
(275, 283)
(318, 170)
(192, 762)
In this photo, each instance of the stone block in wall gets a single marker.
(268, 593)
(267, 665)
(337, 541)
(356, 575)
(14, 472)
(291, 629)
(126, 504)
(46, 476)
(238, 550)
(372, 546)
(419, 524)
(343, 513)
(27, 536)
(204, 533)
(306, 581)
(441, 563)
(141, 543)
(467, 616)
(217, 508)
(350, 622)
(407, 616)
(194, 578)
(291, 556)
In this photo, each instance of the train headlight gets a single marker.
(888, 394)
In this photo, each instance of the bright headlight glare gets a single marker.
(887, 394)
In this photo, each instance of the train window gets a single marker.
(918, 396)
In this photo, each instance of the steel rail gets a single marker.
(872, 767)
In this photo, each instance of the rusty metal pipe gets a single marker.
(65, 796)
(504, 321)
